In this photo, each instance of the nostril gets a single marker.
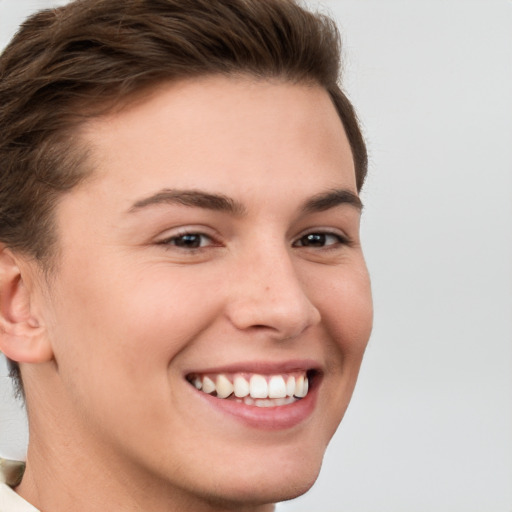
(278, 334)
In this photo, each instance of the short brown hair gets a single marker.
(71, 62)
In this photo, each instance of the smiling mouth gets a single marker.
(255, 389)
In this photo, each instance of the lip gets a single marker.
(261, 367)
(264, 418)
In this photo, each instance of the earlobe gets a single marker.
(22, 334)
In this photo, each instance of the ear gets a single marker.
(22, 334)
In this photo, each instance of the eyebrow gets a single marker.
(194, 198)
(219, 202)
(331, 199)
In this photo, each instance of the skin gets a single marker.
(128, 312)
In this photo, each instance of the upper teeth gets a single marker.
(256, 386)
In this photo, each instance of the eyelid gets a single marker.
(181, 231)
(344, 239)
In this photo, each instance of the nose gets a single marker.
(268, 296)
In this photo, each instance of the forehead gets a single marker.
(218, 131)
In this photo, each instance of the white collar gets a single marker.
(10, 472)
(12, 502)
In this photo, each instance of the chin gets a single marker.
(265, 491)
(271, 480)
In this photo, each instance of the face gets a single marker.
(209, 268)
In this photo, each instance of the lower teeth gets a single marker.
(265, 402)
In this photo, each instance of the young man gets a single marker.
(184, 299)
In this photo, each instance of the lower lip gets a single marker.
(267, 418)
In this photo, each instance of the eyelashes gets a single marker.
(321, 239)
(195, 240)
(190, 241)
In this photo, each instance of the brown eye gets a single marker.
(319, 240)
(189, 241)
(313, 240)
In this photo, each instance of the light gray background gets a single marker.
(430, 425)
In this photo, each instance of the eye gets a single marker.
(320, 240)
(188, 241)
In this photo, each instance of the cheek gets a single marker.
(125, 322)
(143, 317)
(117, 338)
(347, 311)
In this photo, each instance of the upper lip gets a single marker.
(261, 367)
